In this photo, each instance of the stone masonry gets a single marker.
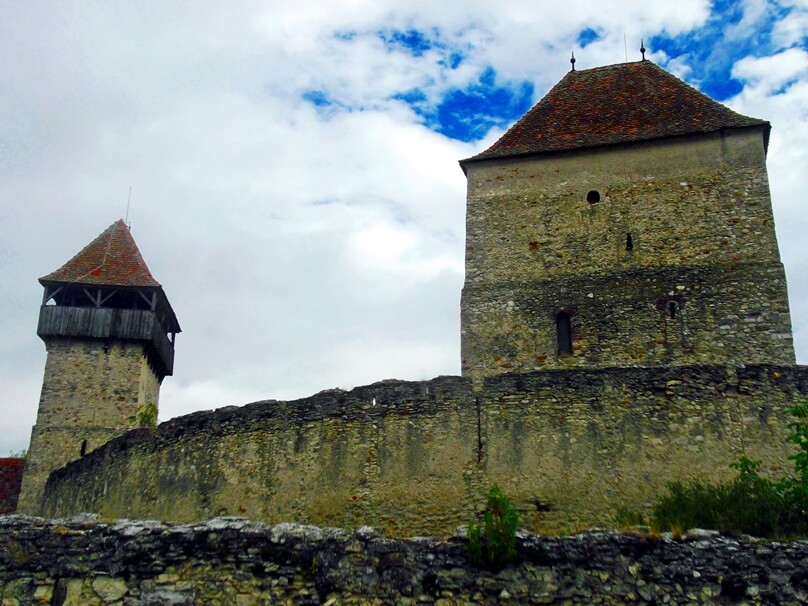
(91, 393)
(569, 447)
(235, 562)
(702, 239)
(625, 324)
(109, 332)
(624, 220)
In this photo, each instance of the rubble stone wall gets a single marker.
(232, 562)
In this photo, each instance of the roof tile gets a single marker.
(112, 259)
(614, 104)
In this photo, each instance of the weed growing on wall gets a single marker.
(147, 416)
(495, 542)
(749, 503)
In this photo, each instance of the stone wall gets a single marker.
(10, 480)
(698, 211)
(569, 447)
(81, 562)
(92, 392)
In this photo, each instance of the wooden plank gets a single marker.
(108, 323)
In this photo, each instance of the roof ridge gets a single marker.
(611, 66)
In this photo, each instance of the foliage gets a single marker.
(749, 503)
(628, 517)
(474, 548)
(799, 436)
(147, 416)
(495, 542)
(18, 454)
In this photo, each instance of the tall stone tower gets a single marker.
(624, 220)
(109, 331)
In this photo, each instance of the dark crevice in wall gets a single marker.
(479, 431)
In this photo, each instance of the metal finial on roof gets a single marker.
(642, 48)
(572, 61)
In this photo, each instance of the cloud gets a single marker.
(792, 29)
(753, 28)
(293, 165)
(774, 74)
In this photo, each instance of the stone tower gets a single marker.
(624, 220)
(109, 331)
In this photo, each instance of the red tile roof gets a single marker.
(614, 104)
(112, 259)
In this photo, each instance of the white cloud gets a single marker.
(792, 29)
(300, 250)
(767, 75)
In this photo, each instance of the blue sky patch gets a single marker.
(454, 59)
(712, 49)
(416, 43)
(587, 37)
(317, 98)
(412, 97)
(468, 114)
(410, 41)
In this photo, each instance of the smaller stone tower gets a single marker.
(109, 331)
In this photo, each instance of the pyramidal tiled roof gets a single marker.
(614, 104)
(112, 259)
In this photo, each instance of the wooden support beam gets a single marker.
(151, 301)
(91, 297)
(49, 295)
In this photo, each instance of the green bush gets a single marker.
(495, 542)
(749, 503)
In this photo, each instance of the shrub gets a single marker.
(749, 503)
(495, 542)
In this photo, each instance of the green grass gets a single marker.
(749, 504)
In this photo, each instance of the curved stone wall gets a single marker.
(568, 447)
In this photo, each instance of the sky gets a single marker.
(294, 165)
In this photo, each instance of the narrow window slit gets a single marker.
(83, 448)
(564, 333)
(629, 242)
(672, 310)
